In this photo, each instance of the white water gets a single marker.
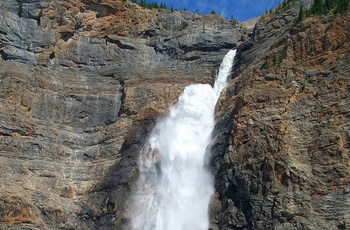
(174, 189)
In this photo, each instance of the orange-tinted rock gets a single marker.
(281, 152)
(81, 86)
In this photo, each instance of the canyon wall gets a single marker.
(282, 144)
(81, 85)
(83, 82)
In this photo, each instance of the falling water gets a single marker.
(174, 189)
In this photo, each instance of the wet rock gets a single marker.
(283, 162)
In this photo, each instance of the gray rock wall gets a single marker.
(77, 105)
(281, 146)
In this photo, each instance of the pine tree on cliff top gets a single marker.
(318, 7)
(342, 6)
(301, 15)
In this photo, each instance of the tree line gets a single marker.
(149, 5)
(322, 7)
(326, 6)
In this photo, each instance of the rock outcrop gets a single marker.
(282, 148)
(81, 85)
(83, 82)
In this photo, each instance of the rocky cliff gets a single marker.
(81, 85)
(282, 144)
(83, 82)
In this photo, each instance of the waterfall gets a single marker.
(174, 189)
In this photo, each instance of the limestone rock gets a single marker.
(81, 86)
(281, 144)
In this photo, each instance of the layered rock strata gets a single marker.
(83, 82)
(81, 85)
(281, 148)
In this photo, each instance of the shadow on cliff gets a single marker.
(107, 201)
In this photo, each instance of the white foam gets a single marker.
(174, 189)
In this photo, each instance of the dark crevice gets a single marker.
(65, 36)
(3, 55)
(119, 43)
(52, 55)
(10, 131)
(192, 58)
(122, 98)
(169, 51)
(124, 46)
(150, 33)
(205, 48)
(5, 135)
(238, 193)
(247, 211)
(188, 49)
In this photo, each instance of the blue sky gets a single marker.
(238, 9)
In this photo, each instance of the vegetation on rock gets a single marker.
(285, 5)
(326, 6)
(150, 5)
(20, 8)
(322, 7)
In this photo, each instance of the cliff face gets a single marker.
(282, 146)
(81, 84)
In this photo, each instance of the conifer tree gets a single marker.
(329, 4)
(318, 7)
(142, 3)
(342, 6)
(20, 8)
(301, 15)
(284, 4)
